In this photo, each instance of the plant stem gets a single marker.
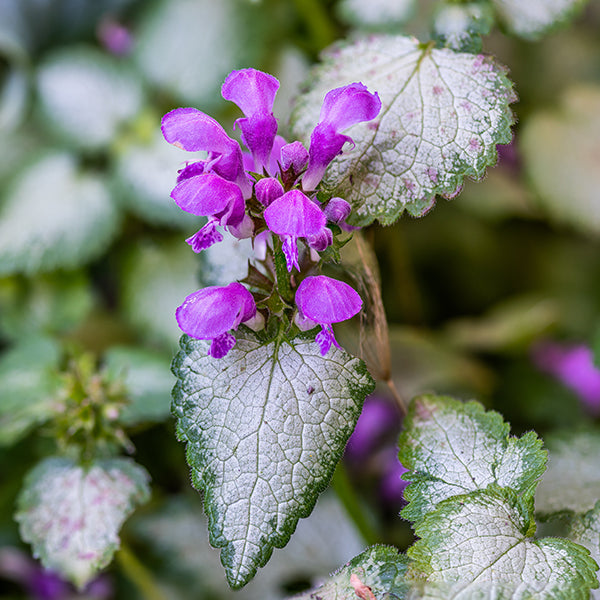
(352, 503)
(139, 575)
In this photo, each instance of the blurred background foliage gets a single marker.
(92, 258)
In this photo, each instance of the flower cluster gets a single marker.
(268, 193)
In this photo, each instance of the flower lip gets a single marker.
(294, 214)
(213, 311)
(325, 300)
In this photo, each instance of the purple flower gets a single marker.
(392, 485)
(211, 312)
(192, 130)
(254, 92)
(377, 421)
(573, 366)
(325, 301)
(293, 216)
(267, 190)
(208, 195)
(342, 107)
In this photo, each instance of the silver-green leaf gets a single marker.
(28, 386)
(55, 217)
(72, 514)
(452, 448)
(532, 18)
(379, 569)
(585, 530)
(443, 113)
(481, 545)
(265, 427)
(572, 481)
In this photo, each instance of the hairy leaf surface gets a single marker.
(480, 545)
(453, 448)
(585, 530)
(442, 115)
(379, 569)
(265, 427)
(72, 514)
(572, 481)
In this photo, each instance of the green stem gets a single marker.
(281, 272)
(139, 575)
(353, 505)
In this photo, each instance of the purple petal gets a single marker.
(210, 195)
(294, 214)
(205, 238)
(242, 230)
(342, 107)
(191, 170)
(212, 311)
(325, 339)
(325, 145)
(278, 144)
(253, 91)
(192, 130)
(573, 366)
(326, 300)
(392, 485)
(290, 250)
(337, 210)
(348, 105)
(221, 345)
(267, 190)
(321, 240)
(294, 156)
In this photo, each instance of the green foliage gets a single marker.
(442, 115)
(265, 427)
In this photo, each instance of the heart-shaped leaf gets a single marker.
(442, 114)
(72, 514)
(265, 427)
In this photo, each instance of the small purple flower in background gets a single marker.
(342, 107)
(325, 301)
(116, 38)
(294, 216)
(371, 449)
(254, 93)
(573, 366)
(210, 313)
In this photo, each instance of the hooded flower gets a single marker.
(325, 301)
(210, 313)
(192, 130)
(254, 93)
(294, 216)
(209, 195)
(342, 107)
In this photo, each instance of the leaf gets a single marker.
(155, 281)
(54, 217)
(27, 387)
(442, 115)
(86, 95)
(460, 26)
(378, 15)
(480, 545)
(453, 448)
(148, 380)
(146, 174)
(48, 303)
(178, 536)
(585, 530)
(265, 428)
(72, 514)
(572, 481)
(172, 55)
(533, 18)
(380, 568)
(559, 150)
